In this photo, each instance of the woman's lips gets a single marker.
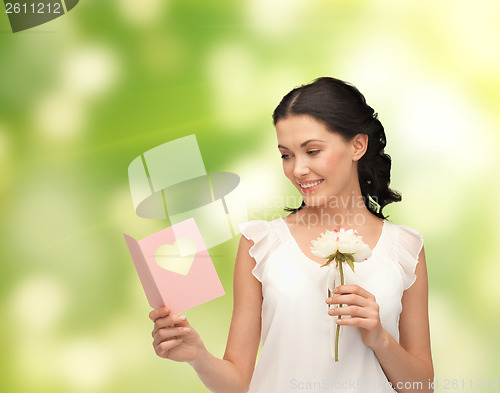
(309, 188)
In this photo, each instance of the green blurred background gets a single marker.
(83, 95)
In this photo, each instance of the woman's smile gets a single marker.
(310, 186)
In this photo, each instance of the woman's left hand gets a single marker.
(363, 309)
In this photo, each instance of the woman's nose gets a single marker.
(300, 169)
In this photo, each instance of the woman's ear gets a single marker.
(359, 145)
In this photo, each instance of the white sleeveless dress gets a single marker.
(296, 328)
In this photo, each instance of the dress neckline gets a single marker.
(375, 248)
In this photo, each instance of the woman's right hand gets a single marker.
(173, 337)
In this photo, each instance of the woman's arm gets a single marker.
(407, 364)
(410, 361)
(232, 373)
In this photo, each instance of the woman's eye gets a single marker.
(313, 152)
(285, 156)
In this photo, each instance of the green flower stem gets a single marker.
(340, 316)
(337, 343)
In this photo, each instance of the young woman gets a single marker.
(332, 147)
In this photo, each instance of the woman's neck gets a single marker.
(346, 212)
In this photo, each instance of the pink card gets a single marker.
(175, 268)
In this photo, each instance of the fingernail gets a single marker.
(187, 329)
(182, 317)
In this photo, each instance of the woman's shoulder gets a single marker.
(405, 235)
(407, 243)
(265, 240)
(258, 225)
(263, 232)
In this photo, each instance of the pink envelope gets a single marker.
(185, 281)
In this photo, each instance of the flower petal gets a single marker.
(362, 254)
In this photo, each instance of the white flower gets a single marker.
(339, 246)
(348, 243)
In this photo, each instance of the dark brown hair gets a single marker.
(343, 109)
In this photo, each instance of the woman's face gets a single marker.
(319, 163)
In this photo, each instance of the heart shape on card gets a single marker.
(168, 256)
